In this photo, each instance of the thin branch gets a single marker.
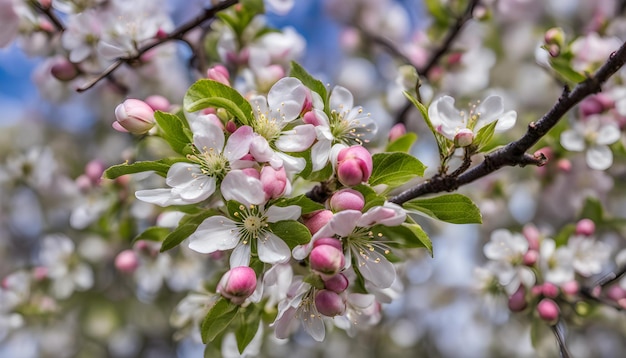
(561, 341)
(606, 280)
(387, 44)
(437, 54)
(177, 34)
(514, 153)
(47, 11)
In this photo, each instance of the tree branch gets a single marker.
(47, 11)
(177, 34)
(514, 153)
(561, 341)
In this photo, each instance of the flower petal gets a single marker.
(341, 99)
(242, 188)
(208, 136)
(572, 140)
(272, 249)
(506, 121)
(375, 267)
(343, 222)
(320, 153)
(599, 157)
(489, 110)
(278, 213)
(287, 97)
(608, 134)
(160, 197)
(240, 256)
(298, 139)
(216, 233)
(238, 143)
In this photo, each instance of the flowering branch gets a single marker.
(47, 10)
(514, 153)
(436, 56)
(606, 280)
(177, 34)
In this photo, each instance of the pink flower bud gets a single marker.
(454, 58)
(64, 70)
(158, 103)
(94, 170)
(554, 50)
(564, 165)
(517, 301)
(555, 36)
(231, 126)
(616, 293)
(347, 199)
(220, 74)
(40, 273)
(329, 303)
(266, 77)
(531, 257)
(326, 259)
(318, 219)
(397, 131)
(549, 290)
(336, 243)
(585, 227)
(536, 290)
(161, 34)
(570, 288)
(237, 284)
(548, 310)
(354, 165)
(337, 283)
(590, 105)
(311, 118)
(464, 137)
(83, 182)
(46, 4)
(274, 182)
(308, 103)
(127, 261)
(531, 234)
(135, 116)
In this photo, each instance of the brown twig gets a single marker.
(47, 11)
(560, 341)
(514, 153)
(177, 34)
(437, 54)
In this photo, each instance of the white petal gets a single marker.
(242, 188)
(489, 110)
(273, 249)
(506, 121)
(298, 139)
(608, 134)
(181, 173)
(375, 267)
(341, 99)
(260, 149)
(278, 213)
(599, 157)
(238, 143)
(293, 165)
(189, 182)
(446, 119)
(240, 256)
(389, 215)
(161, 197)
(216, 233)
(208, 136)
(320, 154)
(343, 222)
(313, 324)
(287, 97)
(572, 141)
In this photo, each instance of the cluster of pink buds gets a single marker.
(354, 165)
(327, 259)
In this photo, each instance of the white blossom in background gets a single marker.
(590, 256)
(592, 50)
(506, 250)
(557, 264)
(67, 272)
(593, 136)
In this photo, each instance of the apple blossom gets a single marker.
(548, 310)
(134, 116)
(354, 165)
(326, 259)
(237, 284)
(347, 199)
(593, 135)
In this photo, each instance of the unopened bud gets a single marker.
(135, 116)
(517, 301)
(220, 74)
(318, 219)
(231, 126)
(158, 103)
(237, 284)
(397, 131)
(329, 303)
(337, 283)
(354, 165)
(407, 77)
(532, 235)
(463, 138)
(326, 260)
(347, 199)
(553, 50)
(94, 170)
(549, 290)
(555, 36)
(585, 227)
(531, 257)
(564, 165)
(336, 243)
(64, 70)
(616, 293)
(570, 288)
(548, 310)
(311, 118)
(275, 183)
(126, 261)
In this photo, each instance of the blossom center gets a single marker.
(347, 131)
(267, 126)
(253, 223)
(211, 161)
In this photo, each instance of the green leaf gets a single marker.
(406, 235)
(562, 66)
(159, 166)
(208, 93)
(451, 208)
(218, 319)
(291, 232)
(307, 205)
(402, 144)
(316, 85)
(154, 233)
(395, 169)
(562, 237)
(173, 130)
(371, 197)
(484, 135)
(248, 329)
(592, 209)
(187, 226)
